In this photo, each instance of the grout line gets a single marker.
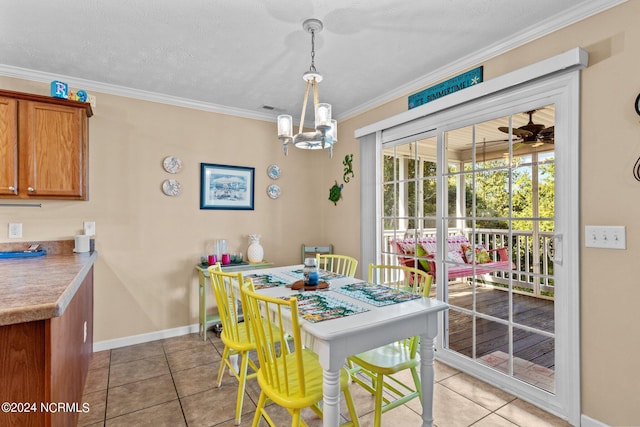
(106, 397)
(173, 380)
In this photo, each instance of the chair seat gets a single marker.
(312, 378)
(387, 359)
(244, 343)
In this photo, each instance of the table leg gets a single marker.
(331, 398)
(427, 373)
(202, 309)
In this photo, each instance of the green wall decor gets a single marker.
(348, 167)
(335, 193)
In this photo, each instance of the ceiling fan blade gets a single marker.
(519, 133)
(522, 133)
(547, 134)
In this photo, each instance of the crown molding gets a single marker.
(91, 85)
(573, 15)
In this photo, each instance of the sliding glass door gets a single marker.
(502, 309)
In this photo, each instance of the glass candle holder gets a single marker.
(310, 272)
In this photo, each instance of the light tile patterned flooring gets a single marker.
(171, 382)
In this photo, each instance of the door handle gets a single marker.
(557, 249)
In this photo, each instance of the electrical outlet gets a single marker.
(607, 237)
(90, 228)
(15, 230)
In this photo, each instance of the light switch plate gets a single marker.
(90, 228)
(607, 237)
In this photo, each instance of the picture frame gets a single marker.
(226, 187)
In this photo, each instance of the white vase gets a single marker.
(255, 252)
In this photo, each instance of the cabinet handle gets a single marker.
(30, 189)
(12, 189)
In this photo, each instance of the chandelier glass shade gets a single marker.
(325, 132)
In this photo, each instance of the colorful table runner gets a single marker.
(315, 306)
(378, 295)
(262, 281)
(322, 274)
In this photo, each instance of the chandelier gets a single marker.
(326, 129)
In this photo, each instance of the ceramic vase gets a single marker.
(255, 252)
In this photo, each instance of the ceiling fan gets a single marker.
(534, 134)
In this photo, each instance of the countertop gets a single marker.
(41, 287)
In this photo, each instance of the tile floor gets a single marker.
(171, 382)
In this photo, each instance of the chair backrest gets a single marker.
(269, 318)
(402, 278)
(229, 302)
(310, 251)
(340, 264)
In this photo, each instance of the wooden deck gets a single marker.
(491, 336)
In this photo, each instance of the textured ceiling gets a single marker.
(242, 54)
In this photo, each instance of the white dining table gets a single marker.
(336, 339)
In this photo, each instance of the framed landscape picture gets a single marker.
(226, 187)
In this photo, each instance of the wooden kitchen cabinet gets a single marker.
(43, 147)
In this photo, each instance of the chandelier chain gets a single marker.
(313, 52)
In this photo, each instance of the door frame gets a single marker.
(520, 90)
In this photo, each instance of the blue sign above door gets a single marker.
(454, 84)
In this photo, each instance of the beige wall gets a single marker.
(610, 145)
(149, 243)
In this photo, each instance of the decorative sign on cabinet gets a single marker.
(38, 134)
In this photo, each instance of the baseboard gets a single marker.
(142, 338)
(586, 421)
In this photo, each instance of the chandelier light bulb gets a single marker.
(332, 133)
(323, 116)
(285, 126)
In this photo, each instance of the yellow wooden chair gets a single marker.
(375, 369)
(340, 264)
(236, 335)
(292, 380)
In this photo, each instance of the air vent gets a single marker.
(272, 108)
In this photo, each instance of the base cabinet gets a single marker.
(44, 365)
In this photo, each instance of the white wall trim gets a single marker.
(586, 421)
(142, 338)
(576, 14)
(92, 85)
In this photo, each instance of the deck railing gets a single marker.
(530, 252)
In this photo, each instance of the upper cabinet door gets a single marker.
(8, 146)
(53, 157)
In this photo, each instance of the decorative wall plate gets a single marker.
(273, 191)
(171, 187)
(172, 164)
(273, 171)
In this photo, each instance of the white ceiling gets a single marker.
(238, 55)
